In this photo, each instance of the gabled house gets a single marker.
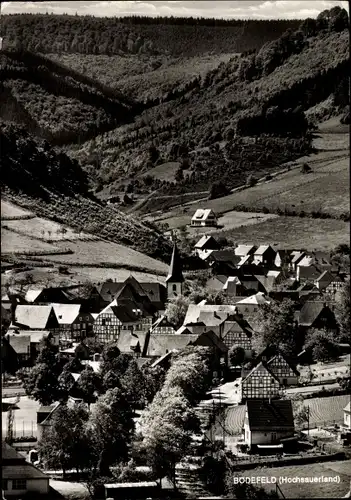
(204, 217)
(162, 325)
(285, 372)
(21, 478)
(252, 304)
(318, 315)
(265, 255)
(260, 383)
(234, 287)
(35, 317)
(237, 332)
(328, 282)
(205, 245)
(245, 250)
(283, 258)
(216, 283)
(118, 316)
(296, 257)
(26, 344)
(75, 325)
(132, 343)
(307, 273)
(268, 422)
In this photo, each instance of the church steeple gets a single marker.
(175, 277)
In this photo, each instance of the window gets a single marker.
(19, 484)
(285, 381)
(103, 322)
(174, 288)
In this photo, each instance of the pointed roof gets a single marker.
(175, 270)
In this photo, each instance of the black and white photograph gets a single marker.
(175, 250)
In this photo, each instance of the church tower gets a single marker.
(175, 278)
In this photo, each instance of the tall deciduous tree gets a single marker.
(68, 442)
(176, 310)
(112, 424)
(343, 312)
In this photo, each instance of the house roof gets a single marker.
(32, 294)
(257, 299)
(22, 471)
(262, 249)
(214, 340)
(193, 312)
(156, 292)
(160, 344)
(225, 256)
(175, 273)
(297, 256)
(202, 214)
(183, 330)
(272, 415)
(124, 314)
(207, 242)
(328, 276)
(19, 343)
(66, 313)
(309, 272)
(161, 358)
(310, 312)
(127, 342)
(243, 250)
(33, 316)
(162, 321)
(231, 279)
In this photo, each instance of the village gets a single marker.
(279, 395)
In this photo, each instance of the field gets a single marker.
(341, 469)
(40, 237)
(10, 210)
(321, 410)
(293, 232)
(164, 172)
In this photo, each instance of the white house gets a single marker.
(204, 217)
(205, 246)
(268, 422)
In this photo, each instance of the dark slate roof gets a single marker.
(276, 415)
(225, 256)
(19, 343)
(310, 312)
(207, 242)
(22, 471)
(156, 292)
(309, 272)
(124, 314)
(175, 273)
(214, 340)
(109, 290)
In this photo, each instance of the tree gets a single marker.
(323, 346)
(112, 424)
(236, 356)
(218, 189)
(176, 310)
(89, 385)
(42, 381)
(343, 312)
(251, 181)
(278, 327)
(68, 442)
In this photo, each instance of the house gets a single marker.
(118, 316)
(347, 416)
(283, 258)
(318, 315)
(328, 282)
(132, 343)
(285, 372)
(307, 273)
(205, 245)
(75, 325)
(268, 422)
(265, 255)
(175, 279)
(252, 304)
(237, 332)
(260, 383)
(162, 325)
(34, 317)
(21, 347)
(216, 283)
(222, 257)
(233, 287)
(26, 344)
(245, 250)
(43, 296)
(296, 257)
(204, 217)
(20, 478)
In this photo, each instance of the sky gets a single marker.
(244, 9)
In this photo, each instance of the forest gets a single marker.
(137, 35)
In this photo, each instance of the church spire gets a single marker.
(175, 274)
